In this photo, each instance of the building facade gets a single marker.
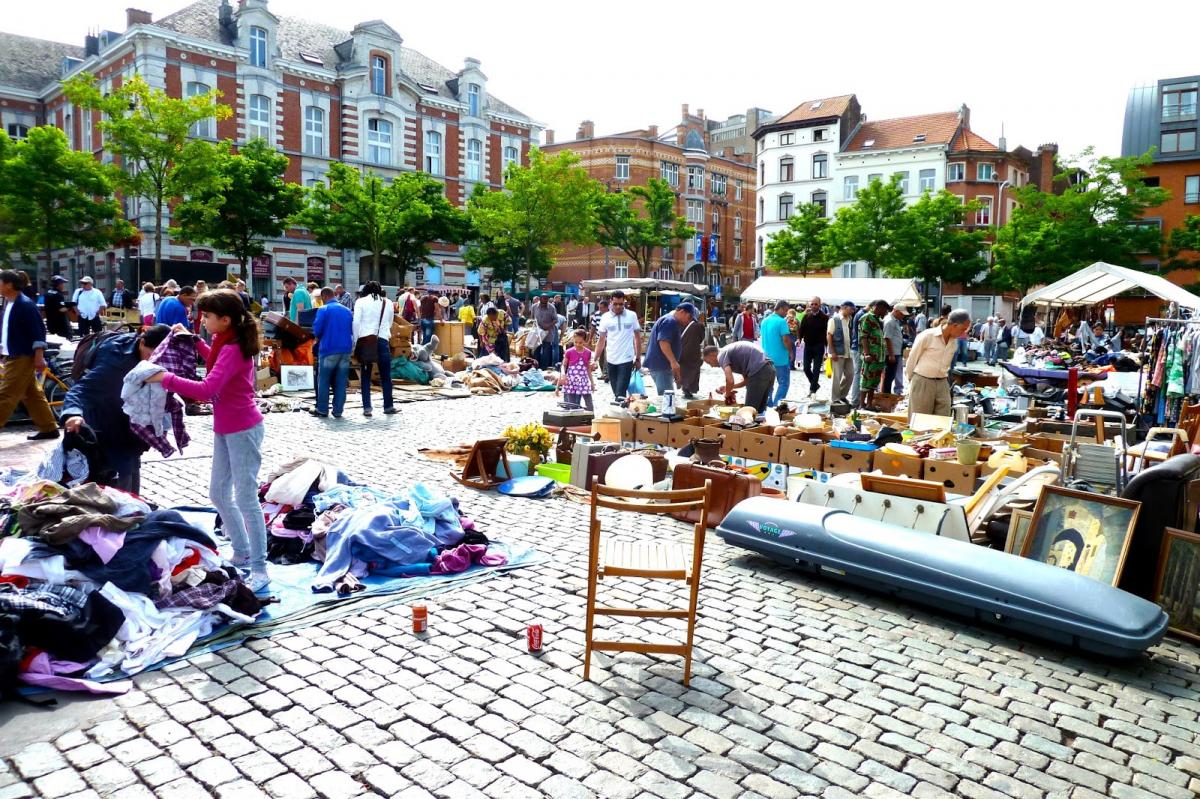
(714, 193)
(316, 93)
(1163, 116)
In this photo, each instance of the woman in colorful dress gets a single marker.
(873, 351)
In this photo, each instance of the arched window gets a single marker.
(379, 141)
(258, 47)
(378, 75)
(473, 99)
(474, 159)
(433, 152)
(203, 129)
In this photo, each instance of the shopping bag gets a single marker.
(828, 366)
(636, 384)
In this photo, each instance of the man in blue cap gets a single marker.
(665, 346)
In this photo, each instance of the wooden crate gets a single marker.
(450, 337)
(957, 479)
(839, 460)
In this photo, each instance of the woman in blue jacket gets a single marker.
(96, 401)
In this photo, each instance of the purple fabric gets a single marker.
(106, 543)
(463, 557)
(45, 672)
(202, 597)
(176, 354)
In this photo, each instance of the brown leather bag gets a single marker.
(728, 489)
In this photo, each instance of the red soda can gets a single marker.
(533, 633)
(420, 617)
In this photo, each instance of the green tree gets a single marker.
(869, 229)
(640, 222)
(350, 213)
(544, 205)
(800, 246)
(934, 244)
(505, 263)
(1185, 239)
(148, 131)
(1097, 218)
(52, 196)
(237, 199)
(416, 214)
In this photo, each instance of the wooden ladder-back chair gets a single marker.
(483, 460)
(1189, 423)
(653, 560)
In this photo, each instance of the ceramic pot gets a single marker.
(707, 449)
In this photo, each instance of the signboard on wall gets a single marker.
(261, 266)
(316, 269)
(205, 256)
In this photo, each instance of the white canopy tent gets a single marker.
(1100, 281)
(834, 290)
(648, 284)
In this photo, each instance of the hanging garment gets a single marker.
(150, 407)
(61, 518)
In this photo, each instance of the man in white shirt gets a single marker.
(990, 335)
(841, 357)
(621, 339)
(920, 322)
(89, 302)
(373, 317)
(928, 365)
(1037, 336)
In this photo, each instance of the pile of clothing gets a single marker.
(95, 582)
(314, 512)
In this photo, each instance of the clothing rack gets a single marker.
(1161, 321)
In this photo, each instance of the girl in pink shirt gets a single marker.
(237, 425)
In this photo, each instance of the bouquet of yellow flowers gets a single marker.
(531, 437)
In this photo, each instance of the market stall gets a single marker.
(1102, 281)
(861, 291)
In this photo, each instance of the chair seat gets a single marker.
(644, 559)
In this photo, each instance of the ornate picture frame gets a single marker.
(1177, 584)
(1018, 530)
(1086, 533)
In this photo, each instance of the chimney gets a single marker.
(587, 130)
(700, 113)
(1003, 141)
(964, 116)
(685, 109)
(549, 136)
(135, 16)
(652, 131)
(91, 46)
(1046, 167)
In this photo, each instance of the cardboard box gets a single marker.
(450, 336)
(652, 431)
(837, 460)
(607, 429)
(957, 479)
(800, 452)
(264, 379)
(628, 430)
(899, 465)
(759, 446)
(682, 433)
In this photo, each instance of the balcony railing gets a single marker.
(1174, 113)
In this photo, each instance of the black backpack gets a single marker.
(85, 352)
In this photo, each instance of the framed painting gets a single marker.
(1018, 529)
(296, 378)
(1177, 588)
(1082, 532)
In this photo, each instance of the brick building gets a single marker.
(316, 93)
(1164, 116)
(714, 191)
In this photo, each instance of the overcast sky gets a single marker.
(1050, 70)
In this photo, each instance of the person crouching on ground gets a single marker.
(237, 425)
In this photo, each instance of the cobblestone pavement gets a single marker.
(801, 686)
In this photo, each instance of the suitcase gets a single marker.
(567, 417)
(597, 465)
(728, 489)
(286, 329)
(579, 459)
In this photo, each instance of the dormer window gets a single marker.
(920, 137)
(258, 47)
(379, 75)
(473, 99)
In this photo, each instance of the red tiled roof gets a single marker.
(890, 134)
(969, 140)
(825, 107)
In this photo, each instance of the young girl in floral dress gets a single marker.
(577, 381)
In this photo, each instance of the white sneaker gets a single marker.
(259, 582)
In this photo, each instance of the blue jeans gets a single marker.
(989, 351)
(426, 330)
(233, 490)
(335, 370)
(961, 352)
(783, 381)
(663, 380)
(385, 377)
(545, 353)
(618, 377)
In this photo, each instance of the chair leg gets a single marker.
(691, 628)
(591, 617)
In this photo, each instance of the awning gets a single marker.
(1101, 281)
(834, 290)
(645, 284)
